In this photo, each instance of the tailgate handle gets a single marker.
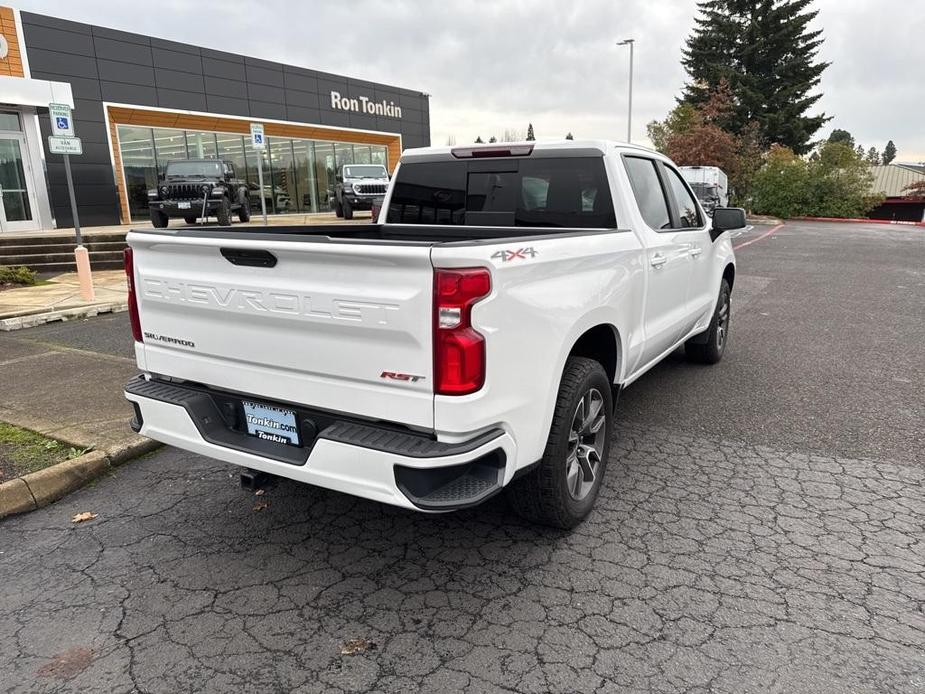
(251, 258)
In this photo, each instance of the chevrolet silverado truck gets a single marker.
(357, 188)
(197, 189)
(474, 340)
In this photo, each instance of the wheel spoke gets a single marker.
(587, 459)
(573, 477)
(594, 409)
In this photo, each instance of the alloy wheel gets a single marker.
(585, 444)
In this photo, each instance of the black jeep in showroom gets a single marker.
(199, 188)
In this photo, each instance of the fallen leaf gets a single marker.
(81, 517)
(355, 646)
(259, 492)
(260, 505)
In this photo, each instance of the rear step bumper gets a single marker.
(393, 466)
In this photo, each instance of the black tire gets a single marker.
(224, 213)
(244, 212)
(548, 494)
(709, 346)
(190, 219)
(159, 219)
(338, 209)
(348, 210)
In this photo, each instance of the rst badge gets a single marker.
(508, 254)
(395, 376)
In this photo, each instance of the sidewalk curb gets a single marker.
(29, 320)
(859, 220)
(38, 489)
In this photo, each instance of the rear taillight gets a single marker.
(132, 300)
(459, 350)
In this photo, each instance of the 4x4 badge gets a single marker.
(519, 254)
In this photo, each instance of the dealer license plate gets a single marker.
(271, 423)
(183, 206)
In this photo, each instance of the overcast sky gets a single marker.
(496, 64)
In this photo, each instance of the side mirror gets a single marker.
(339, 178)
(728, 218)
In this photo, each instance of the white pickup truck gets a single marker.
(476, 338)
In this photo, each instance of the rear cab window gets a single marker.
(556, 192)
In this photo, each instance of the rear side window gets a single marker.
(648, 192)
(686, 208)
(557, 193)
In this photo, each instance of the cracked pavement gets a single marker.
(722, 557)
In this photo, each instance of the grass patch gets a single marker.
(23, 451)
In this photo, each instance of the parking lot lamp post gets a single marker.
(629, 117)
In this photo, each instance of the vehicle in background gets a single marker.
(709, 183)
(199, 188)
(357, 186)
(476, 340)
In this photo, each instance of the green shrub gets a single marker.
(18, 274)
(834, 182)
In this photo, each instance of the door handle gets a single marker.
(695, 251)
(658, 260)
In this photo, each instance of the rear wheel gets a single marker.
(224, 213)
(190, 219)
(244, 212)
(159, 219)
(709, 347)
(562, 490)
(348, 210)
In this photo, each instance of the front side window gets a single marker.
(554, 192)
(686, 208)
(647, 190)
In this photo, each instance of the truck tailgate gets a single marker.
(338, 326)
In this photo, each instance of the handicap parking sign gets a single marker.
(61, 123)
(257, 140)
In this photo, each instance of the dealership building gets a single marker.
(139, 102)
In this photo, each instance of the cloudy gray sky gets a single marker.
(496, 64)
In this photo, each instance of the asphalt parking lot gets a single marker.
(760, 529)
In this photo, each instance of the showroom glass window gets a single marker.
(139, 166)
(169, 145)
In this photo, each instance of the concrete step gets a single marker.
(56, 268)
(32, 259)
(30, 249)
(40, 239)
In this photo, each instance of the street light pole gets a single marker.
(629, 117)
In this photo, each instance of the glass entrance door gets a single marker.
(17, 208)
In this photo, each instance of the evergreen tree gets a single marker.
(478, 140)
(570, 136)
(768, 55)
(839, 135)
(492, 139)
(873, 156)
(889, 153)
(859, 150)
(530, 131)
